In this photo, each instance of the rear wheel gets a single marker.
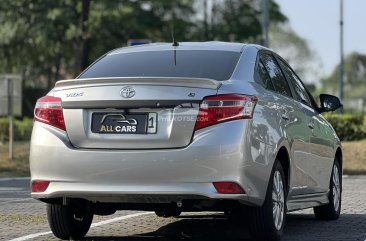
(267, 222)
(332, 210)
(69, 222)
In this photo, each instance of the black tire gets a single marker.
(65, 224)
(262, 222)
(331, 211)
(168, 213)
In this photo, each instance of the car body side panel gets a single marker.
(267, 132)
(261, 143)
(264, 140)
(264, 131)
(294, 133)
(299, 134)
(324, 144)
(312, 151)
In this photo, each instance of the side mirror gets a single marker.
(329, 103)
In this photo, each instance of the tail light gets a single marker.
(40, 186)
(228, 188)
(48, 110)
(222, 108)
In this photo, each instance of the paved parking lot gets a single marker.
(22, 218)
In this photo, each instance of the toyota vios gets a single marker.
(185, 127)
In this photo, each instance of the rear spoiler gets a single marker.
(165, 81)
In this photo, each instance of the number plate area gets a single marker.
(121, 123)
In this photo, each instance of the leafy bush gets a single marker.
(22, 129)
(349, 127)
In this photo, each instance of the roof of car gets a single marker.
(212, 45)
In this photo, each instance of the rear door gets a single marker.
(293, 124)
(314, 165)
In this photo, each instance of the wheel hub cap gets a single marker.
(278, 200)
(336, 188)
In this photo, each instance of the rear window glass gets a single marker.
(212, 64)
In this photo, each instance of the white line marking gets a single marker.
(17, 200)
(30, 236)
(35, 235)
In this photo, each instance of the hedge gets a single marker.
(349, 127)
(22, 129)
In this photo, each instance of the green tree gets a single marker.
(295, 50)
(354, 77)
(50, 39)
(236, 20)
(47, 40)
(43, 41)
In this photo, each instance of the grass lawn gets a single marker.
(354, 156)
(19, 166)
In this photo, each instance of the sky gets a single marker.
(318, 22)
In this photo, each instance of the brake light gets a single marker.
(40, 186)
(222, 108)
(48, 110)
(228, 188)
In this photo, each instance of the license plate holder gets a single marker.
(121, 123)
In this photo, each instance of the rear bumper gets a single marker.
(217, 153)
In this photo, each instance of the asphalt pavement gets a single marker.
(22, 218)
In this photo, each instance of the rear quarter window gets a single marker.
(263, 76)
(275, 73)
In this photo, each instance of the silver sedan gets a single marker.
(185, 127)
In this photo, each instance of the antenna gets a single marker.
(175, 43)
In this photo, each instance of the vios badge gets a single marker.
(128, 92)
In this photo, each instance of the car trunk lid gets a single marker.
(132, 113)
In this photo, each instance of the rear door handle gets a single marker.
(285, 116)
(311, 125)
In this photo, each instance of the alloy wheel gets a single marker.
(336, 187)
(278, 200)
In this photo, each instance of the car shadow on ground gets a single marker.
(218, 227)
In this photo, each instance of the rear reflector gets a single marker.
(48, 110)
(221, 108)
(228, 188)
(40, 186)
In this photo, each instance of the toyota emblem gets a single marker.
(128, 92)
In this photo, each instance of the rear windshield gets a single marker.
(212, 64)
